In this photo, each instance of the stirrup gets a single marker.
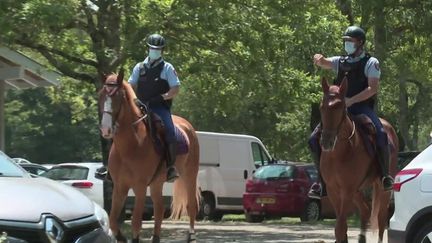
(317, 191)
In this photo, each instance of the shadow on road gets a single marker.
(242, 232)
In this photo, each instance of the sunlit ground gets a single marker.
(233, 228)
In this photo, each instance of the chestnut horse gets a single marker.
(134, 164)
(348, 168)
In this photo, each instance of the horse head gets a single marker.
(333, 112)
(110, 101)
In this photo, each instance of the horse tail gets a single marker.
(185, 189)
(181, 198)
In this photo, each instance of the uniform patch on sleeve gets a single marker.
(377, 66)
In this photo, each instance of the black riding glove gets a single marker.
(156, 99)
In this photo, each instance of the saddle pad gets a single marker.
(182, 144)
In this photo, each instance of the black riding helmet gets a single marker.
(355, 32)
(156, 41)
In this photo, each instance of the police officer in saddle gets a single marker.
(363, 74)
(156, 83)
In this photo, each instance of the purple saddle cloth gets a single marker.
(182, 145)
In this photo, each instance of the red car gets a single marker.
(279, 190)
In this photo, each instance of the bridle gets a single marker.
(334, 132)
(111, 90)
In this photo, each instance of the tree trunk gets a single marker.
(403, 113)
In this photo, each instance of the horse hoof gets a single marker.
(155, 239)
(362, 239)
(191, 238)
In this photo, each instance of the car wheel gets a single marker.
(250, 218)
(208, 209)
(312, 212)
(424, 235)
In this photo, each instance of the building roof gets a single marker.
(20, 72)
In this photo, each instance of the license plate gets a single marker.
(265, 200)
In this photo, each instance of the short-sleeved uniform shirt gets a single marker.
(168, 73)
(372, 69)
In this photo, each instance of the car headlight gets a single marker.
(102, 217)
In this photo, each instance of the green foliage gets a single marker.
(57, 124)
(245, 66)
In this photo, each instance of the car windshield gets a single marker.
(63, 173)
(275, 172)
(8, 168)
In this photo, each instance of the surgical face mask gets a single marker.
(350, 47)
(155, 54)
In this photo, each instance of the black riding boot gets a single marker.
(384, 160)
(170, 162)
(320, 190)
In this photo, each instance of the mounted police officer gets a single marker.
(363, 74)
(156, 83)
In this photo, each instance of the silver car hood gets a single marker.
(26, 199)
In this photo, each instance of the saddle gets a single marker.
(156, 130)
(367, 131)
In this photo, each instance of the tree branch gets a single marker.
(40, 48)
(346, 10)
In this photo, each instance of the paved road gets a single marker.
(242, 232)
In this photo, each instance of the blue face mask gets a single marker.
(350, 47)
(155, 54)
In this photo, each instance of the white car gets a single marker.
(36, 209)
(21, 161)
(412, 218)
(81, 176)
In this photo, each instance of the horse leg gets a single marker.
(158, 208)
(140, 195)
(383, 212)
(341, 206)
(192, 204)
(364, 210)
(118, 198)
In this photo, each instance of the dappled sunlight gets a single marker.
(286, 230)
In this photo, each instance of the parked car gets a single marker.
(405, 157)
(278, 190)
(36, 209)
(34, 169)
(412, 218)
(81, 176)
(21, 161)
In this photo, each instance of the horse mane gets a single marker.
(130, 96)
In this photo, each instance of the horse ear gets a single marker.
(343, 86)
(324, 84)
(120, 76)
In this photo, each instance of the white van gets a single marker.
(226, 162)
